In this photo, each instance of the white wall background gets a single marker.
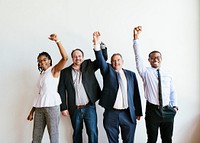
(173, 27)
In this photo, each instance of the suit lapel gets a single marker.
(69, 75)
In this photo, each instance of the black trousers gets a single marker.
(159, 118)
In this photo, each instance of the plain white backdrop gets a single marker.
(172, 27)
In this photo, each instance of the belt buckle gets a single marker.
(82, 106)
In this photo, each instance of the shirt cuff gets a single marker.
(97, 47)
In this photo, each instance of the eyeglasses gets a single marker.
(42, 60)
(154, 58)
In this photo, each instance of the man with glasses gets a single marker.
(161, 105)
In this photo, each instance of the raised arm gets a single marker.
(101, 55)
(97, 42)
(58, 67)
(138, 58)
(104, 51)
(96, 38)
(136, 32)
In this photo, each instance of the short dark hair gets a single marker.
(155, 52)
(77, 50)
(116, 54)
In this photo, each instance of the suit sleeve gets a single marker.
(137, 100)
(101, 62)
(104, 54)
(104, 51)
(62, 92)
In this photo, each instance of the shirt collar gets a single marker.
(49, 68)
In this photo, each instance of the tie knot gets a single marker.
(118, 73)
(158, 71)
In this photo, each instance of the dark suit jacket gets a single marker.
(90, 83)
(110, 88)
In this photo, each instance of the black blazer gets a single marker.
(110, 88)
(90, 83)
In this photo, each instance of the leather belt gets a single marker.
(82, 106)
(121, 109)
(156, 106)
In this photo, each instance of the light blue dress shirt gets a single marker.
(150, 81)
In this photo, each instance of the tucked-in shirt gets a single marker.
(47, 90)
(119, 103)
(150, 81)
(81, 96)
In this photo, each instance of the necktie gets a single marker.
(121, 85)
(159, 89)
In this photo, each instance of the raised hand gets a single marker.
(53, 37)
(96, 38)
(136, 31)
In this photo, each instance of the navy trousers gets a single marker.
(113, 119)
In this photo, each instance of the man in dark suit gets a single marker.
(120, 96)
(79, 90)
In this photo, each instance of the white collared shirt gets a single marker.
(119, 104)
(150, 81)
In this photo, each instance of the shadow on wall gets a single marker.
(195, 133)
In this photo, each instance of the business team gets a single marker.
(120, 97)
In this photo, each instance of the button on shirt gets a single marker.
(150, 80)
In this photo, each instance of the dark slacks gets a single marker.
(113, 119)
(159, 118)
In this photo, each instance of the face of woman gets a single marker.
(44, 62)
